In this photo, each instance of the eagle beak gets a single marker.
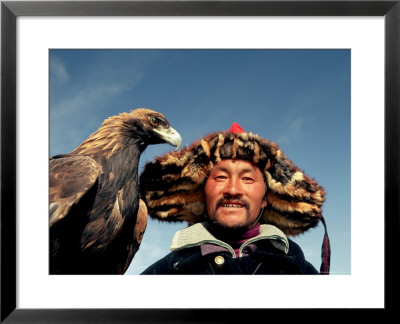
(171, 136)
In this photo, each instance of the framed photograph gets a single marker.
(320, 78)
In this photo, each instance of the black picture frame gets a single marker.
(10, 10)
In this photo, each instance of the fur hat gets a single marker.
(172, 186)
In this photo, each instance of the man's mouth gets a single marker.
(232, 204)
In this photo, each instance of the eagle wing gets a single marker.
(70, 177)
(141, 221)
(140, 228)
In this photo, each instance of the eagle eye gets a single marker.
(156, 121)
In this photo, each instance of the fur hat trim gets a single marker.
(172, 185)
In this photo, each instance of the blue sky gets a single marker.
(299, 99)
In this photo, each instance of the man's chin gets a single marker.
(233, 221)
(231, 226)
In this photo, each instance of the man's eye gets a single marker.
(248, 180)
(220, 177)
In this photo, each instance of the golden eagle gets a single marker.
(95, 226)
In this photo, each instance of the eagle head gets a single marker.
(153, 128)
(142, 126)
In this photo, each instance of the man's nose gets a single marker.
(233, 187)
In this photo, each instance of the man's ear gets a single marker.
(264, 203)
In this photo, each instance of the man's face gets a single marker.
(234, 194)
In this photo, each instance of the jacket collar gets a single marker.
(198, 234)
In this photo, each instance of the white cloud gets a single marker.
(58, 70)
(89, 97)
(293, 129)
(84, 111)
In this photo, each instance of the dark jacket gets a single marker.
(196, 251)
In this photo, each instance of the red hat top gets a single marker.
(236, 128)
